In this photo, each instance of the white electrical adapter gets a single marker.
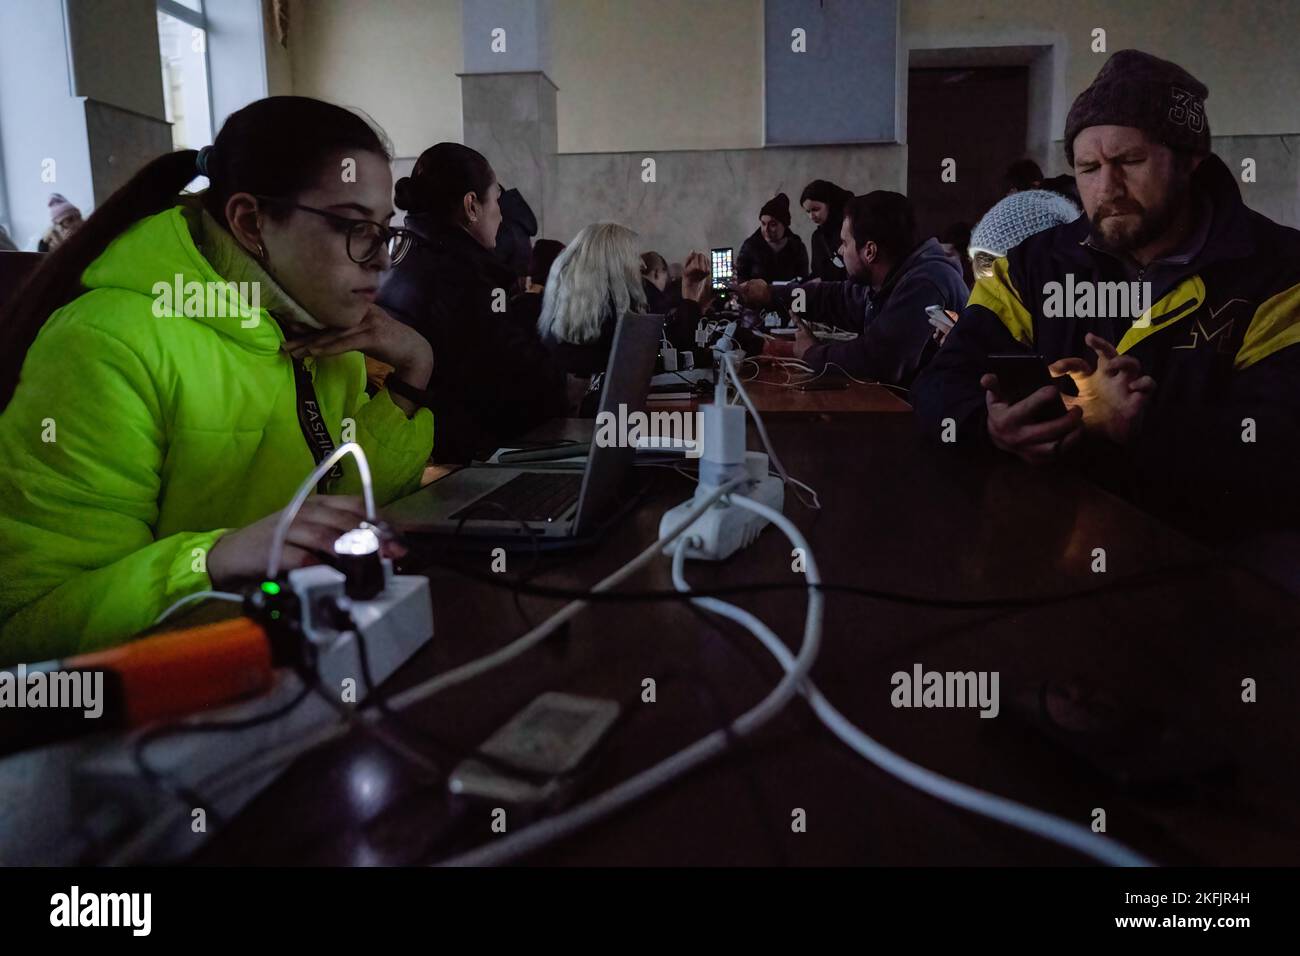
(724, 528)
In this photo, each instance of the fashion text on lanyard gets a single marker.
(313, 424)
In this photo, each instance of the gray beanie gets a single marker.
(1017, 217)
(1143, 91)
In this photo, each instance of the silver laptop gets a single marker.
(549, 502)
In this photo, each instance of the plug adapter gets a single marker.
(724, 529)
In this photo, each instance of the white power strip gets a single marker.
(724, 529)
(92, 786)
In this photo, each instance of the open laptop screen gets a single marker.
(627, 379)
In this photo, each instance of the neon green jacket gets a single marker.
(134, 442)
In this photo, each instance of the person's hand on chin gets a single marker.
(381, 337)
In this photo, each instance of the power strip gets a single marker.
(91, 789)
(724, 529)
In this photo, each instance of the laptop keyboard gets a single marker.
(532, 496)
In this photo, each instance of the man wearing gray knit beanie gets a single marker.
(1169, 313)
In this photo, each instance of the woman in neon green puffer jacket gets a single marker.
(151, 440)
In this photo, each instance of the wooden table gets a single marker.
(898, 516)
(774, 392)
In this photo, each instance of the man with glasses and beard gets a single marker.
(1189, 402)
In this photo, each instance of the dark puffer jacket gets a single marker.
(492, 378)
(1218, 444)
(756, 260)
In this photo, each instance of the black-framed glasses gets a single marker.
(364, 236)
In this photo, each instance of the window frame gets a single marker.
(195, 18)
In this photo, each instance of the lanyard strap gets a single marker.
(313, 424)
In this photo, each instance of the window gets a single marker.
(183, 43)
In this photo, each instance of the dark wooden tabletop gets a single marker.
(775, 390)
(1173, 635)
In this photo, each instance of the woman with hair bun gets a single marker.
(824, 203)
(493, 380)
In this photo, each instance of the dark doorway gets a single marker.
(977, 116)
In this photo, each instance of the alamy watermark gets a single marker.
(130, 910)
(210, 300)
(65, 690)
(654, 430)
(922, 688)
(1095, 300)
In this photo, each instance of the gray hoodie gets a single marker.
(895, 334)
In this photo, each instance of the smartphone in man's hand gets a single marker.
(1019, 376)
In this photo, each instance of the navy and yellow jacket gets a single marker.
(1222, 341)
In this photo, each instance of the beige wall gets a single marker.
(658, 74)
(395, 59)
(115, 54)
(643, 75)
(631, 80)
(1244, 51)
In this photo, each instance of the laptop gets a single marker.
(552, 503)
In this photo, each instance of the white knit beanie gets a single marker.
(1017, 217)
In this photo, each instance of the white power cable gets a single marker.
(767, 442)
(304, 490)
(197, 596)
(459, 675)
(547, 831)
(1018, 815)
(277, 756)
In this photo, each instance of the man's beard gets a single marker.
(1149, 226)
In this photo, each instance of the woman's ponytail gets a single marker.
(279, 146)
(58, 280)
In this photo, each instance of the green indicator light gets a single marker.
(270, 587)
(275, 615)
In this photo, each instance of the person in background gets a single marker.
(1022, 174)
(179, 439)
(595, 280)
(515, 235)
(65, 219)
(956, 240)
(1063, 185)
(892, 279)
(526, 307)
(654, 269)
(662, 292)
(493, 380)
(773, 252)
(1011, 221)
(824, 203)
(1188, 394)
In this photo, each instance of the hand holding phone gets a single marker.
(942, 319)
(1020, 376)
(1026, 415)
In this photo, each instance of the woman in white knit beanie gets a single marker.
(1011, 221)
(1014, 219)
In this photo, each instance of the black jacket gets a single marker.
(1222, 342)
(492, 379)
(756, 260)
(515, 234)
(896, 333)
(826, 252)
(585, 359)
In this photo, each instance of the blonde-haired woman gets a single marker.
(594, 281)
